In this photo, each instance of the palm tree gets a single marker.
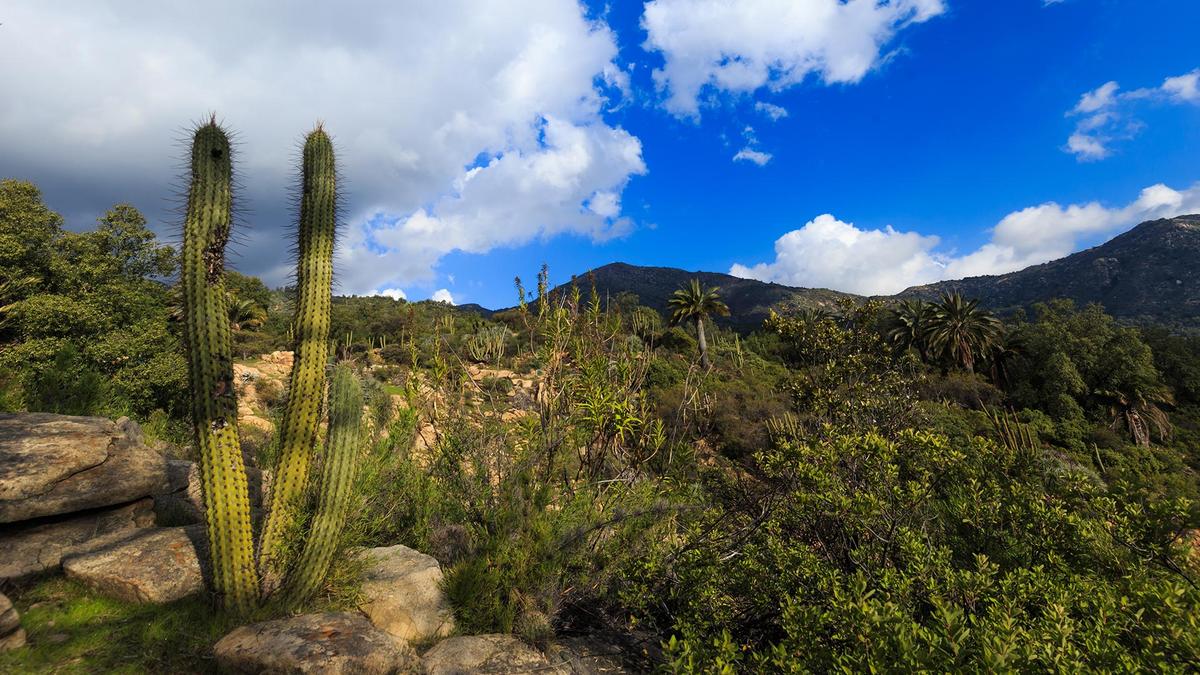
(695, 303)
(1138, 411)
(962, 331)
(245, 314)
(908, 326)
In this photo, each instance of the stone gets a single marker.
(56, 464)
(36, 546)
(332, 643)
(402, 594)
(153, 565)
(183, 502)
(484, 654)
(586, 656)
(12, 635)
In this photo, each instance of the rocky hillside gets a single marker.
(1150, 274)
(748, 300)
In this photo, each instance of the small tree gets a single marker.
(692, 302)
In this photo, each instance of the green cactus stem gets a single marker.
(339, 466)
(210, 367)
(314, 279)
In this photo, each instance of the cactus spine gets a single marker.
(339, 466)
(214, 405)
(210, 368)
(314, 280)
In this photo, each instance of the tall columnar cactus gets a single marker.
(214, 406)
(210, 366)
(339, 466)
(314, 279)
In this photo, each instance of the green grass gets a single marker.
(73, 631)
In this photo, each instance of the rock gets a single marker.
(152, 565)
(40, 545)
(183, 503)
(334, 642)
(586, 656)
(11, 633)
(56, 464)
(483, 654)
(403, 595)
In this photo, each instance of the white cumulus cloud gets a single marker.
(829, 253)
(746, 45)
(460, 125)
(442, 295)
(393, 293)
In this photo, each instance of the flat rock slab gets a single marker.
(333, 643)
(57, 464)
(402, 594)
(151, 565)
(495, 654)
(40, 545)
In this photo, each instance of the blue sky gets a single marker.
(964, 125)
(896, 143)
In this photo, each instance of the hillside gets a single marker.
(749, 300)
(1148, 274)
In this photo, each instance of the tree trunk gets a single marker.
(703, 343)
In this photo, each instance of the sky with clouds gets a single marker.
(862, 145)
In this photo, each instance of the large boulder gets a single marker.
(56, 464)
(40, 545)
(402, 594)
(11, 633)
(496, 654)
(152, 565)
(332, 643)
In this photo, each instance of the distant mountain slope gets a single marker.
(1148, 274)
(748, 300)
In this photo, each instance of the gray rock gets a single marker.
(402, 594)
(37, 546)
(151, 565)
(183, 501)
(57, 464)
(586, 656)
(11, 633)
(334, 642)
(484, 654)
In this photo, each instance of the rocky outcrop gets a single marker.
(586, 656)
(152, 565)
(402, 594)
(40, 545)
(56, 464)
(484, 654)
(12, 635)
(333, 643)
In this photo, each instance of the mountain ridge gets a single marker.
(1148, 274)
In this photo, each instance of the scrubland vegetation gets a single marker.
(869, 487)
